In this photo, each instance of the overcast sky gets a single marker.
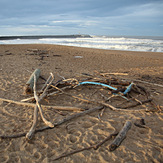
(95, 17)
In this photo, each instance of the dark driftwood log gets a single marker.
(121, 136)
(56, 124)
(30, 83)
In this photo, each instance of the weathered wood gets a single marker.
(121, 136)
(66, 108)
(31, 132)
(30, 83)
(38, 106)
(70, 108)
(47, 82)
(116, 73)
(38, 100)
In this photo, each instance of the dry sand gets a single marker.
(141, 144)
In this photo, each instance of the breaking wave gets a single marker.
(103, 42)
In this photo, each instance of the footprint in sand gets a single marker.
(73, 139)
(37, 155)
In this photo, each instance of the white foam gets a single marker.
(121, 43)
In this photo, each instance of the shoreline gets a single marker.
(46, 44)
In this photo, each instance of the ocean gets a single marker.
(129, 43)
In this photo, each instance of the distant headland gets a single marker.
(43, 36)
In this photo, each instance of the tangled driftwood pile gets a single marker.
(107, 86)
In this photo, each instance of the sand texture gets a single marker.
(144, 145)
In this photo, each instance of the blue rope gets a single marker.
(128, 89)
(96, 83)
(108, 86)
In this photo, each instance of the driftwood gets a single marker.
(68, 108)
(38, 106)
(30, 83)
(55, 124)
(47, 82)
(30, 133)
(64, 83)
(116, 73)
(120, 137)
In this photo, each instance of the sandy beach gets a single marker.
(17, 62)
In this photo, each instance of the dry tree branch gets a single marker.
(68, 108)
(30, 133)
(38, 100)
(38, 106)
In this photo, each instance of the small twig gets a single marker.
(71, 80)
(101, 114)
(137, 100)
(159, 85)
(116, 73)
(138, 103)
